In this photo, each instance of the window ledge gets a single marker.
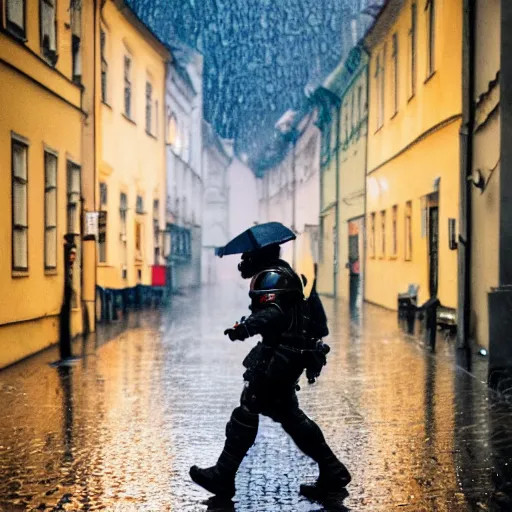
(149, 134)
(20, 273)
(379, 129)
(393, 257)
(104, 265)
(104, 103)
(408, 260)
(429, 77)
(411, 97)
(129, 119)
(393, 116)
(50, 272)
(16, 32)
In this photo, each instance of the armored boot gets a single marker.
(308, 437)
(241, 432)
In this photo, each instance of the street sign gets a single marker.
(91, 224)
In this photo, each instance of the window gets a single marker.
(104, 66)
(394, 247)
(140, 205)
(172, 130)
(102, 240)
(395, 73)
(379, 83)
(352, 111)
(157, 115)
(383, 233)
(48, 30)
(19, 205)
(16, 17)
(138, 240)
(408, 231)
(73, 198)
(359, 103)
(372, 235)
(412, 51)
(50, 211)
(76, 38)
(123, 209)
(128, 86)
(430, 10)
(149, 108)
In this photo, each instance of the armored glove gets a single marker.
(238, 332)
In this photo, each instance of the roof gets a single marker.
(276, 150)
(126, 9)
(183, 74)
(382, 22)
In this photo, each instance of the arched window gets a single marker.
(172, 130)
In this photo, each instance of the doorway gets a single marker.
(433, 244)
(355, 261)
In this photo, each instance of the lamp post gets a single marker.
(65, 312)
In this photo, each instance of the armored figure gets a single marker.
(273, 368)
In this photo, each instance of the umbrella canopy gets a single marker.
(257, 237)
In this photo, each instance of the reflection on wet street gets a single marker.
(118, 430)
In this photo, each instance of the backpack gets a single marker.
(316, 326)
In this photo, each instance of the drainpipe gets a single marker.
(466, 164)
(337, 207)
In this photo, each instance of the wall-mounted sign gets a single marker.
(91, 224)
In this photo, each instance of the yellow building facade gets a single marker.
(42, 47)
(131, 186)
(415, 105)
(329, 121)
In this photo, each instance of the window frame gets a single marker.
(413, 46)
(149, 107)
(123, 232)
(394, 57)
(49, 54)
(104, 64)
(394, 231)
(430, 18)
(408, 231)
(76, 41)
(128, 85)
(48, 152)
(373, 238)
(71, 204)
(103, 206)
(383, 222)
(17, 140)
(12, 27)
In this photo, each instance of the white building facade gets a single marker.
(289, 192)
(185, 185)
(216, 233)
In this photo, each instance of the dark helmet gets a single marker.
(254, 261)
(275, 285)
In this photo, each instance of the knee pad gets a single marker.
(242, 426)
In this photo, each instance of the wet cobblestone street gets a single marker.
(119, 430)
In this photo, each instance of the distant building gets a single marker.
(216, 160)
(289, 184)
(185, 188)
(131, 153)
(343, 120)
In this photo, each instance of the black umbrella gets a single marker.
(257, 237)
